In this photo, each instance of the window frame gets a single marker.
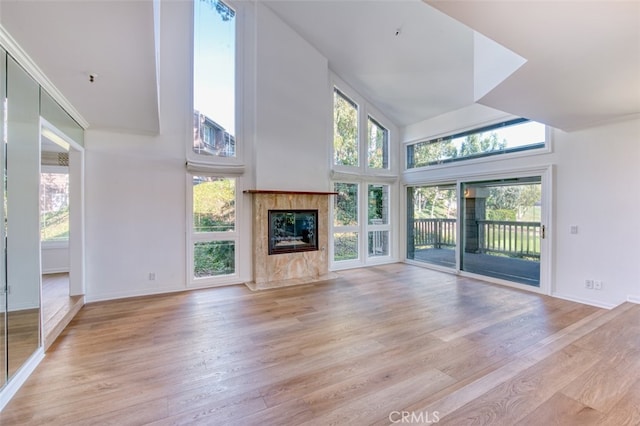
(220, 163)
(366, 111)
(529, 150)
(386, 151)
(382, 227)
(362, 228)
(356, 106)
(342, 229)
(193, 237)
(363, 176)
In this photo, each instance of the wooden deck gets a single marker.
(365, 348)
(506, 268)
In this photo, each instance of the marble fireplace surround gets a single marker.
(286, 269)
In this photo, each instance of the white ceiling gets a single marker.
(409, 77)
(582, 57)
(70, 39)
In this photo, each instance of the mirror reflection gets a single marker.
(22, 182)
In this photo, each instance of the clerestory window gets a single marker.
(506, 137)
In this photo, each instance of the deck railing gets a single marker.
(515, 239)
(438, 233)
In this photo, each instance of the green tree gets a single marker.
(345, 131)
(433, 152)
(213, 211)
(378, 145)
(346, 204)
(512, 202)
(214, 205)
(479, 143)
(435, 202)
(226, 13)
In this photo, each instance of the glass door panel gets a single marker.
(431, 224)
(501, 229)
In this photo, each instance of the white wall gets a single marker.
(136, 184)
(55, 259)
(596, 174)
(597, 180)
(293, 103)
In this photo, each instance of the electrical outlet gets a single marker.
(597, 285)
(588, 284)
(152, 276)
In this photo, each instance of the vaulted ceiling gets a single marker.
(569, 64)
(114, 40)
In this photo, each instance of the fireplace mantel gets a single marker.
(273, 191)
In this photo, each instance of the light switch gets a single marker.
(574, 229)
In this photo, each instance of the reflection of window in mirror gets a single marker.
(54, 204)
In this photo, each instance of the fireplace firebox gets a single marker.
(292, 231)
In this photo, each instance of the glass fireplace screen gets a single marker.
(292, 231)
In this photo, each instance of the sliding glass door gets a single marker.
(502, 230)
(491, 227)
(432, 213)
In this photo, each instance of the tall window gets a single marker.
(378, 220)
(378, 148)
(54, 207)
(345, 130)
(214, 233)
(362, 224)
(345, 222)
(214, 104)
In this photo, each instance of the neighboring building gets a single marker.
(211, 138)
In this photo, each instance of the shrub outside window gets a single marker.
(214, 225)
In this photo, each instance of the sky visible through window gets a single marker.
(516, 136)
(214, 64)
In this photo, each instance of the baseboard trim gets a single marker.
(633, 299)
(595, 303)
(20, 377)
(253, 286)
(55, 271)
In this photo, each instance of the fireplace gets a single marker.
(292, 231)
(290, 236)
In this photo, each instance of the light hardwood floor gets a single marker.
(58, 308)
(368, 347)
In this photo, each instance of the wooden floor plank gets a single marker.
(351, 350)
